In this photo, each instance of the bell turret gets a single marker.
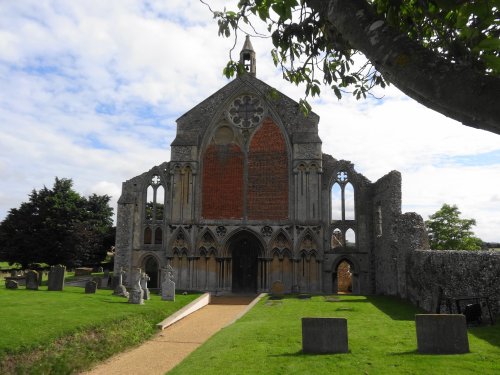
(247, 57)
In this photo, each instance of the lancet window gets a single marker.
(343, 212)
(153, 211)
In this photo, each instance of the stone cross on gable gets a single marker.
(342, 176)
(155, 180)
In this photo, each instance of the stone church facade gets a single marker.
(249, 198)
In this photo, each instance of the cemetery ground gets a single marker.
(65, 332)
(382, 340)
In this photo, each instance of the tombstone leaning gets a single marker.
(56, 278)
(32, 280)
(168, 284)
(136, 295)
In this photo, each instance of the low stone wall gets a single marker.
(458, 273)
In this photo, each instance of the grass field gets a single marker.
(60, 332)
(382, 340)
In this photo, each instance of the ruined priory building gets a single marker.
(249, 198)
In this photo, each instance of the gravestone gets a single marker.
(119, 289)
(324, 335)
(278, 289)
(32, 280)
(90, 287)
(40, 277)
(100, 269)
(11, 284)
(56, 278)
(136, 295)
(441, 334)
(105, 279)
(168, 284)
(144, 285)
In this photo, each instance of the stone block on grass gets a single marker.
(441, 334)
(32, 280)
(90, 287)
(324, 335)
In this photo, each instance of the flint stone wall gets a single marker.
(458, 272)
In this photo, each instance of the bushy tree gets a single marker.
(443, 53)
(448, 231)
(57, 226)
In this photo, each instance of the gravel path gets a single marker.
(170, 346)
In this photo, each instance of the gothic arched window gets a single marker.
(153, 211)
(343, 212)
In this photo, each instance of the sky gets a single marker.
(90, 90)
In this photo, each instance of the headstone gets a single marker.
(441, 334)
(324, 335)
(90, 287)
(40, 277)
(56, 278)
(144, 285)
(119, 289)
(100, 269)
(136, 294)
(277, 289)
(11, 284)
(168, 284)
(32, 280)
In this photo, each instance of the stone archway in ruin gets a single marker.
(245, 249)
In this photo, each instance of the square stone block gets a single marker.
(441, 334)
(324, 335)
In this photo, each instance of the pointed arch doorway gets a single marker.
(152, 268)
(245, 249)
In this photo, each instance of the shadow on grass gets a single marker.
(395, 308)
(299, 353)
(488, 333)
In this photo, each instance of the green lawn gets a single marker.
(382, 340)
(69, 330)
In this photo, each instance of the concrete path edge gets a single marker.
(252, 304)
(190, 308)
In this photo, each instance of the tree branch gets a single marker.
(456, 91)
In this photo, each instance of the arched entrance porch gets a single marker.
(245, 249)
(152, 268)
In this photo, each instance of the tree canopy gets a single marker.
(447, 231)
(443, 53)
(57, 226)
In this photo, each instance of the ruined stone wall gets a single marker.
(386, 212)
(458, 272)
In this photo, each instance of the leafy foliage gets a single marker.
(57, 226)
(447, 231)
(311, 51)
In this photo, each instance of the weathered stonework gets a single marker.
(248, 199)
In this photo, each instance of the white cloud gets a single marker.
(90, 90)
